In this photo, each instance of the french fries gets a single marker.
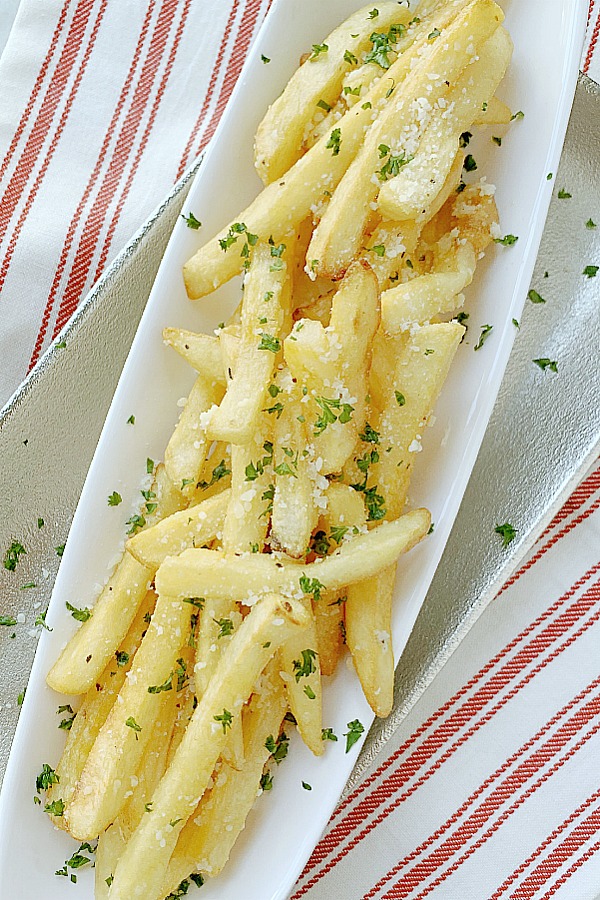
(271, 533)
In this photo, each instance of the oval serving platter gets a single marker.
(285, 824)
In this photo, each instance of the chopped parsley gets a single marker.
(56, 808)
(464, 139)
(306, 666)
(564, 195)
(486, 330)
(378, 250)
(497, 140)
(82, 615)
(278, 748)
(149, 466)
(219, 471)
(114, 499)
(469, 164)
(400, 398)
(265, 59)
(46, 779)
(191, 221)
(40, 523)
(516, 323)
(545, 363)
(590, 271)
(40, 619)
(12, 555)
(335, 141)
(327, 734)
(507, 532)
(590, 224)
(507, 241)
(382, 46)
(266, 782)
(350, 58)
(131, 420)
(322, 104)
(136, 522)
(434, 34)
(355, 730)
(198, 602)
(518, 115)
(317, 50)
(8, 620)
(328, 416)
(131, 723)
(535, 297)
(311, 586)
(225, 719)
(122, 657)
(225, 627)
(393, 163)
(369, 435)
(309, 692)
(337, 533)
(374, 13)
(60, 549)
(306, 786)
(66, 723)
(268, 342)
(167, 685)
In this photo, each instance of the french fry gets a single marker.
(429, 295)
(338, 237)
(316, 84)
(201, 351)
(411, 193)
(420, 373)
(186, 451)
(496, 113)
(207, 838)
(141, 868)
(330, 628)
(388, 247)
(86, 655)
(475, 214)
(285, 203)
(212, 572)
(386, 349)
(301, 674)
(266, 302)
(368, 617)
(112, 842)
(122, 740)
(190, 527)
(215, 476)
(295, 513)
(331, 366)
(95, 708)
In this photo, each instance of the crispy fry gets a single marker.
(301, 674)
(187, 449)
(142, 866)
(280, 135)
(201, 351)
(338, 237)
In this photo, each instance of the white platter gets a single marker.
(286, 824)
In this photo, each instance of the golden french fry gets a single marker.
(207, 839)
(122, 740)
(186, 451)
(201, 351)
(213, 573)
(388, 247)
(95, 708)
(386, 349)
(331, 364)
(285, 203)
(386, 149)
(495, 113)
(266, 302)
(295, 512)
(315, 86)
(215, 476)
(190, 527)
(142, 867)
(329, 624)
(420, 373)
(368, 612)
(86, 655)
(112, 842)
(301, 674)
(411, 193)
(475, 214)
(429, 295)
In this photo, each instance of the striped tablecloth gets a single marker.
(490, 789)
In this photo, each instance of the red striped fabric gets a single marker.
(375, 808)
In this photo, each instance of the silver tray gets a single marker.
(542, 436)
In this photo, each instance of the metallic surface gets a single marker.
(544, 432)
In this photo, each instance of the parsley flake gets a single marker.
(545, 363)
(311, 586)
(535, 297)
(114, 499)
(507, 532)
(225, 719)
(590, 271)
(469, 164)
(564, 195)
(317, 50)
(131, 723)
(507, 241)
(590, 224)
(82, 615)
(8, 621)
(335, 141)
(268, 342)
(306, 666)
(322, 104)
(485, 333)
(306, 786)
(327, 734)
(265, 59)
(400, 398)
(11, 557)
(191, 221)
(355, 730)
(131, 420)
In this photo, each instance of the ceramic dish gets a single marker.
(285, 825)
